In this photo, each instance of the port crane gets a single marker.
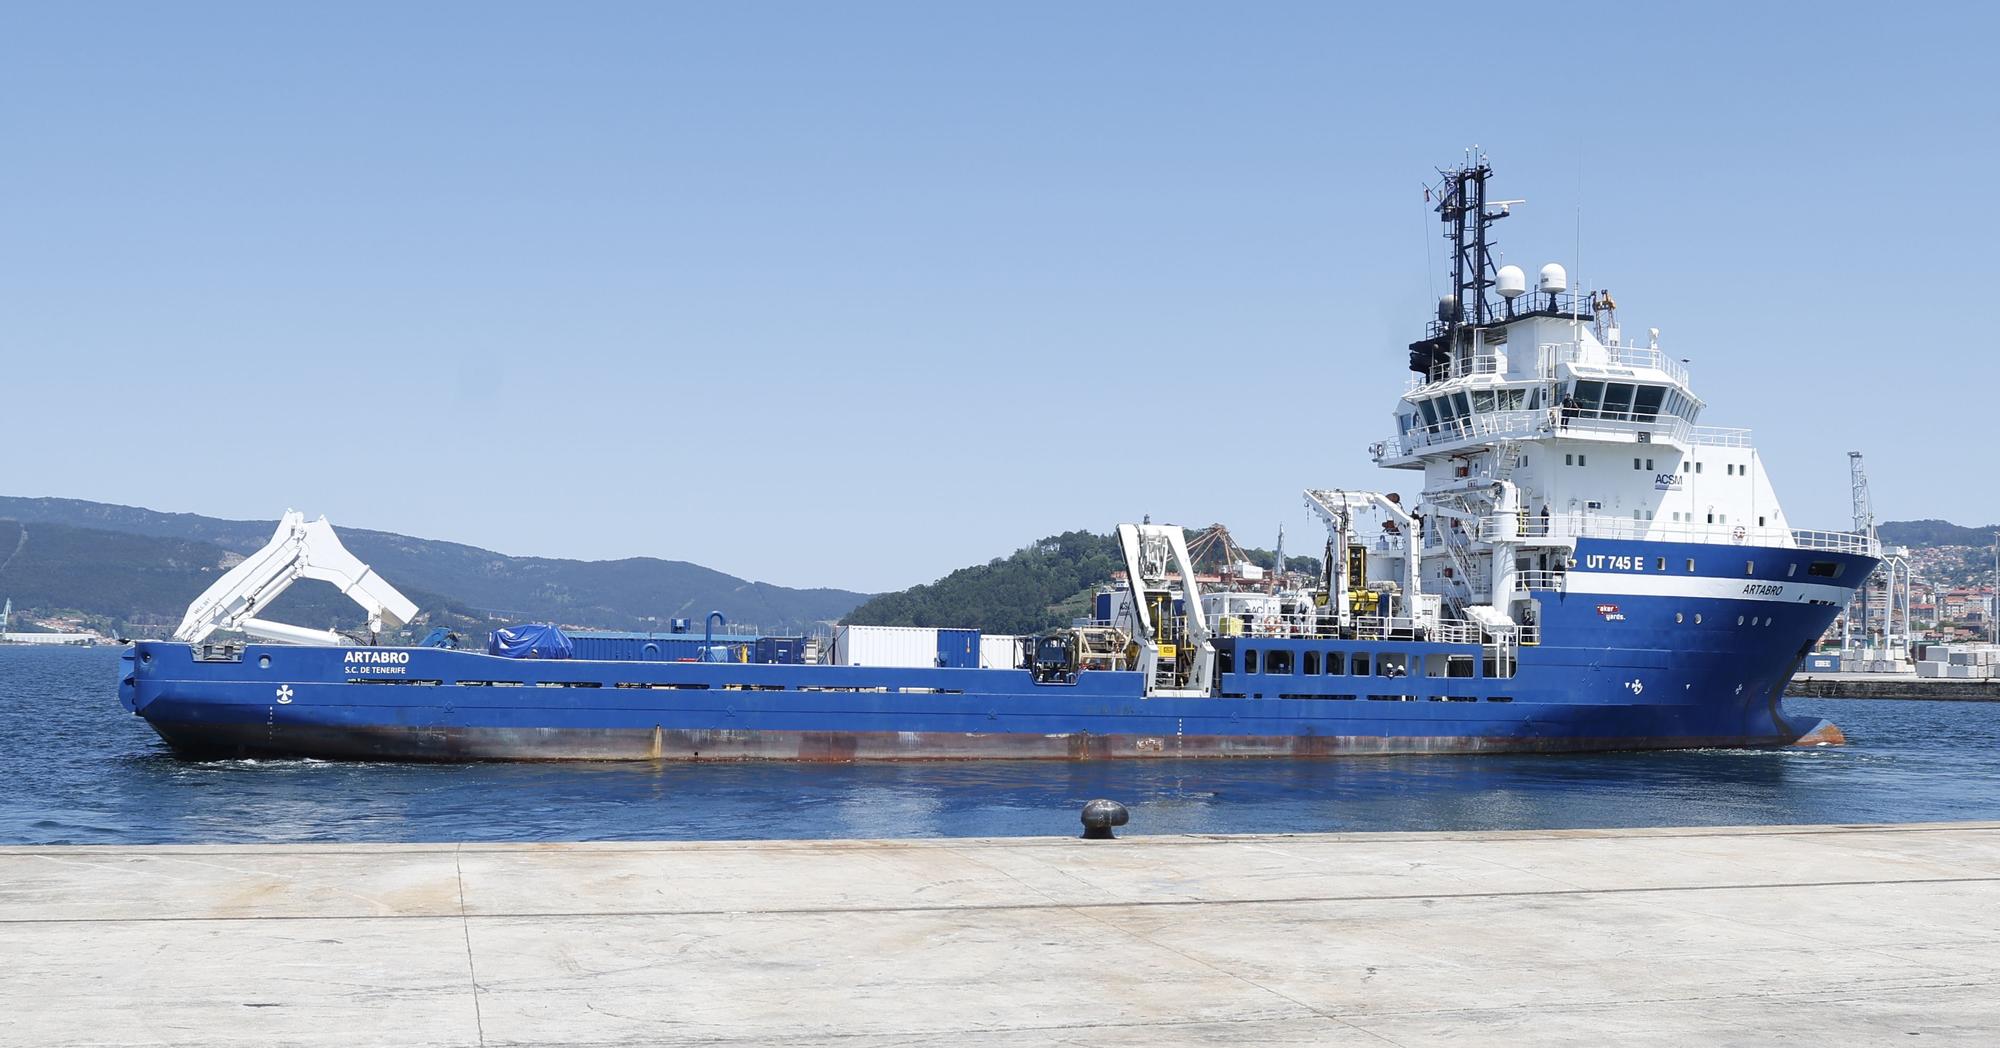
(1891, 577)
(298, 550)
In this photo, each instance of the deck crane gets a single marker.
(298, 550)
(1176, 657)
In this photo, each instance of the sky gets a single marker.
(856, 294)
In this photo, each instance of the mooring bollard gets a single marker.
(1099, 816)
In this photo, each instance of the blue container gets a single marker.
(1823, 663)
(958, 648)
(1103, 609)
(652, 647)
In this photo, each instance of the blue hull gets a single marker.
(1618, 670)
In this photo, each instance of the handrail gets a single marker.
(1499, 425)
(1616, 356)
(1525, 581)
(1568, 526)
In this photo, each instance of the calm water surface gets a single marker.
(75, 768)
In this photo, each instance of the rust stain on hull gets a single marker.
(657, 744)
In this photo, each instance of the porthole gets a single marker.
(1678, 617)
(263, 662)
(1739, 620)
(1697, 618)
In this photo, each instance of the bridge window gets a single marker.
(1334, 662)
(1618, 400)
(1278, 662)
(1310, 664)
(1589, 396)
(1646, 404)
(1358, 666)
(1250, 660)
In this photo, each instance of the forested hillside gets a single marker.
(1044, 584)
(136, 559)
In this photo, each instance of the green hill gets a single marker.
(110, 572)
(1044, 584)
(1919, 533)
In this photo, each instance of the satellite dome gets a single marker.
(1511, 281)
(1554, 279)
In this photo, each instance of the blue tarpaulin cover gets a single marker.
(532, 641)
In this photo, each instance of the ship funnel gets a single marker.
(1511, 281)
(1555, 279)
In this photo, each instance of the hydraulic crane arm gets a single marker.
(297, 551)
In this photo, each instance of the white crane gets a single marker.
(299, 550)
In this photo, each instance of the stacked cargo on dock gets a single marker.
(1961, 662)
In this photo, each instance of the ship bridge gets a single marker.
(1537, 426)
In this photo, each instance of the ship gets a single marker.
(1587, 567)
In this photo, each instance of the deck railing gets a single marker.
(1570, 526)
(1623, 427)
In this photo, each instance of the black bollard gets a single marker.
(1099, 816)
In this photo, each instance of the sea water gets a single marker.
(75, 768)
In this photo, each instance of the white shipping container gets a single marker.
(1931, 669)
(885, 646)
(998, 651)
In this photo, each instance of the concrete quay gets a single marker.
(1823, 685)
(1816, 935)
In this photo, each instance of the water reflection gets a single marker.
(81, 770)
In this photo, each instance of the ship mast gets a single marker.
(1466, 213)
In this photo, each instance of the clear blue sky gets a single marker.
(854, 294)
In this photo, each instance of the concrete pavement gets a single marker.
(1759, 935)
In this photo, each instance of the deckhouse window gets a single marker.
(1310, 663)
(1250, 660)
(1589, 396)
(1278, 662)
(1825, 569)
(1646, 404)
(1618, 400)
